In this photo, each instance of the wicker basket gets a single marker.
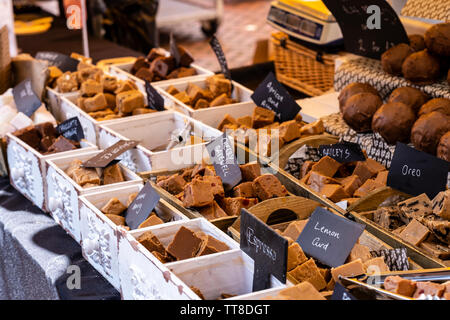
(301, 68)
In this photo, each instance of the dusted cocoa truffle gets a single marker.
(410, 96)
(441, 105)
(437, 39)
(392, 59)
(428, 131)
(443, 149)
(421, 67)
(416, 42)
(359, 110)
(393, 121)
(352, 89)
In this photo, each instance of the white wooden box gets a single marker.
(99, 240)
(155, 131)
(143, 276)
(210, 116)
(62, 192)
(27, 167)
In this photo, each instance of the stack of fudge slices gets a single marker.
(419, 221)
(102, 96)
(422, 290)
(201, 189)
(94, 177)
(158, 66)
(217, 92)
(262, 125)
(343, 182)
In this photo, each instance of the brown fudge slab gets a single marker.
(46, 129)
(183, 97)
(84, 176)
(316, 180)
(30, 136)
(359, 251)
(113, 206)
(435, 249)
(428, 288)
(250, 171)
(233, 206)
(306, 167)
(388, 217)
(294, 229)
(212, 212)
(382, 177)
(447, 286)
(185, 244)
(302, 291)
(218, 85)
(289, 131)
(313, 128)
(399, 285)
(244, 190)
(220, 100)
(334, 192)
(96, 103)
(368, 186)
(117, 220)
(151, 242)
(296, 256)
(351, 184)
(441, 205)
(153, 220)
(374, 166)
(309, 271)
(326, 166)
(113, 174)
(215, 184)
(268, 186)
(362, 170)
(376, 265)
(172, 90)
(139, 111)
(129, 100)
(245, 121)
(415, 208)
(90, 88)
(354, 268)
(75, 164)
(198, 194)
(415, 232)
(62, 144)
(174, 184)
(164, 258)
(262, 117)
(227, 120)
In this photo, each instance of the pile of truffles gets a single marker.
(343, 182)
(157, 66)
(420, 221)
(45, 139)
(185, 244)
(202, 189)
(421, 290)
(90, 177)
(217, 92)
(408, 115)
(424, 60)
(262, 126)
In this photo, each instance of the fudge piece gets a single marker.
(201, 104)
(46, 143)
(139, 111)
(316, 181)
(75, 164)
(245, 121)
(174, 184)
(441, 205)
(88, 73)
(374, 166)
(185, 58)
(244, 190)
(67, 83)
(129, 100)
(218, 84)
(46, 129)
(185, 244)
(262, 117)
(376, 265)
(334, 192)
(366, 188)
(269, 144)
(294, 229)
(116, 219)
(131, 198)
(172, 90)
(440, 228)
(197, 292)
(435, 249)
(96, 103)
(145, 74)
(415, 232)
(399, 285)
(312, 128)
(250, 171)
(194, 92)
(306, 167)
(213, 211)
(113, 207)
(351, 269)
(351, 184)
(198, 193)
(90, 88)
(382, 177)
(220, 100)
(109, 84)
(112, 174)
(296, 256)
(30, 136)
(415, 208)
(428, 288)
(363, 171)
(326, 166)
(83, 176)
(164, 258)
(233, 206)
(268, 186)
(152, 220)
(62, 144)
(151, 243)
(215, 184)
(309, 271)
(210, 245)
(302, 291)
(359, 251)
(289, 131)
(388, 217)
(183, 97)
(350, 201)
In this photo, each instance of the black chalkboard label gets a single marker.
(415, 172)
(224, 160)
(141, 208)
(154, 100)
(369, 27)
(62, 61)
(266, 247)
(104, 158)
(25, 98)
(341, 293)
(271, 95)
(343, 152)
(71, 129)
(174, 52)
(217, 48)
(329, 238)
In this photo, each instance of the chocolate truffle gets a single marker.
(437, 39)
(421, 67)
(393, 121)
(393, 58)
(443, 149)
(428, 131)
(416, 42)
(359, 110)
(441, 105)
(352, 89)
(410, 96)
